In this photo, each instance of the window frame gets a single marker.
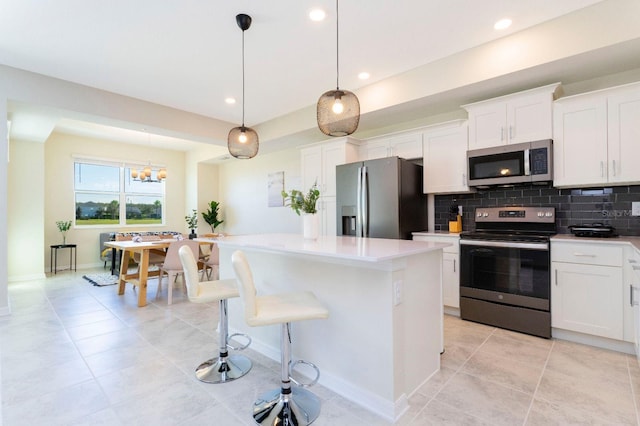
(121, 195)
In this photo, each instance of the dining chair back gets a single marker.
(172, 265)
(210, 258)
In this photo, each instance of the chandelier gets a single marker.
(145, 175)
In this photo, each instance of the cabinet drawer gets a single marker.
(589, 254)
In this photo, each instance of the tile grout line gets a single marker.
(456, 372)
(633, 390)
(544, 368)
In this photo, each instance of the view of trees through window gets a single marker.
(108, 195)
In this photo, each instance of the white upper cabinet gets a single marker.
(597, 138)
(519, 117)
(580, 140)
(445, 158)
(623, 140)
(319, 163)
(404, 145)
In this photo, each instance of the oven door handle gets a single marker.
(506, 244)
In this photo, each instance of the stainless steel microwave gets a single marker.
(529, 162)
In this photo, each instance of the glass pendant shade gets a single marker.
(238, 148)
(338, 113)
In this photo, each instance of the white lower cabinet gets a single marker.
(587, 289)
(450, 266)
(632, 278)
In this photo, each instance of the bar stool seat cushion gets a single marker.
(212, 291)
(277, 308)
(287, 307)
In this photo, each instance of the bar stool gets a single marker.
(225, 367)
(285, 406)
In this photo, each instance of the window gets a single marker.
(106, 194)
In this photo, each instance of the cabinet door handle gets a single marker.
(601, 169)
(510, 132)
(464, 179)
(454, 265)
(636, 267)
(584, 255)
(632, 302)
(501, 134)
(556, 276)
(632, 261)
(614, 167)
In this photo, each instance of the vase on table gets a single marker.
(193, 234)
(310, 226)
(64, 238)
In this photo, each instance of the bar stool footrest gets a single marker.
(292, 366)
(242, 347)
(299, 408)
(223, 369)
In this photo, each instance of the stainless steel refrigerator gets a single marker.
(380, 198)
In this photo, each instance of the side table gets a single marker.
(73, 257)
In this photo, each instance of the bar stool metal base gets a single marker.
(223, 369)
(299, 408)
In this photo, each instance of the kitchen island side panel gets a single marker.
(370, 349)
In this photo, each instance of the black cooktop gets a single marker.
(598, 230)
(516, 236)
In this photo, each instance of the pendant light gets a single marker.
(338, 110)
(243, 141)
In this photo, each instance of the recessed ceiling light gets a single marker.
(364, 75)
(502, 24)
(317, 15)
(230, 101)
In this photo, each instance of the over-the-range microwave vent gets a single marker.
(511, 165)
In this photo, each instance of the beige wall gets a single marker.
(243, 194)
(26, 211)
(60, 150)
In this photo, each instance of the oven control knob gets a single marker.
(549, 214)
(479, 214)
(485, 214)
(540, 214)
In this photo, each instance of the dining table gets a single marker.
(140, 277)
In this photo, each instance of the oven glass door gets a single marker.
(502, 165)
(520, 269)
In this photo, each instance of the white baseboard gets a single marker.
(598, 342)
(30, 277)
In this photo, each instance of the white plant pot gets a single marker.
(310, 226)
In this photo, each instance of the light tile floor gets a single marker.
(75, 354)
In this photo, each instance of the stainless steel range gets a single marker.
(505, 271)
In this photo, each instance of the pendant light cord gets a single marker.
(243, 78)
(337, 51)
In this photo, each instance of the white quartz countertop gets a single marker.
(351, 248)
(633, 241)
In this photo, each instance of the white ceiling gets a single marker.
(187, 54)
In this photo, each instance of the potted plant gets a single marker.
(307, 204)
(211, 216)
(192, 223)
(63, 227)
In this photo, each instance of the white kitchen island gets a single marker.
(383, 338)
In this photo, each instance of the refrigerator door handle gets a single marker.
(359, 204)
(365, 202)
